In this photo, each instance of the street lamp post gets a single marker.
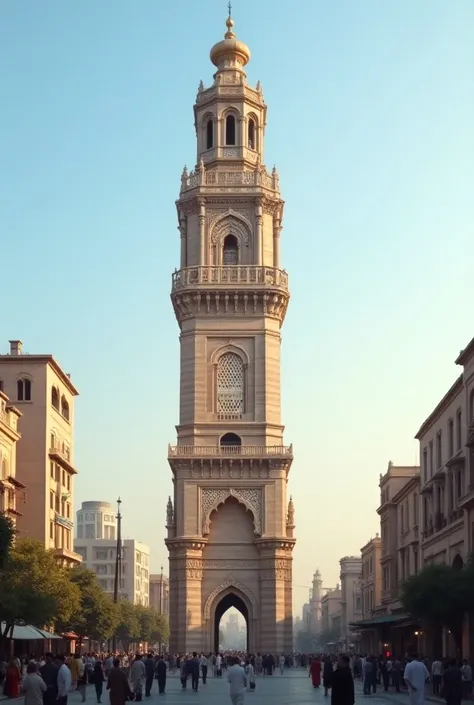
(118, 563)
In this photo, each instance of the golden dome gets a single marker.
(229, 49)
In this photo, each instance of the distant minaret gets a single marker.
(315, 605)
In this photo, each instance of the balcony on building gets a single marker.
(230, 450)
(225, 276)
(62, 456)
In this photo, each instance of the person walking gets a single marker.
(452, 687)
(33, 685)
(49, 673)
(149, 674)
(315, 672)
(117, 685)
(238, 682)
(98, 678)
(138, 677)
(436, 675)
(161, 675)
(415, 676)
(250, 673)
(204, 668)
(327, 675)
(342, 683)
(64, 681)
(192, 667)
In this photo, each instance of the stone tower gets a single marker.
(230, 527)
(315, 603)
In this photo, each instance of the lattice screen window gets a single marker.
(230, 253)
(230, 384)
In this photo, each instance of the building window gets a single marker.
(101, 554)
(51, 500)
(55, 398)
(230, 440)
(439, 451)
(230, 384)
(230, 130)
(51, 469)
(415, 509)
(68, 511)
(458, 429)
(425, 465)
(450, 437)
(51, 530)
(402, 520)
(57, 504)
(65, 408)
(1, 385)
(23, 387)
(230, 252)
(471, 406)
(251, 134)
(58, 473)
(209, 134)
(68, 483)
(431, 458)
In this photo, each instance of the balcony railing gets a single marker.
(230, 451)
(230, 276)
(201, 177)
(63, 457)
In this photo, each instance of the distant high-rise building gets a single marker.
(160, 593)
(96, 520)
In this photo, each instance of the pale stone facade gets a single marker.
(160, 593)
(399, 495)
(331, 611)
(230, 527)
(371, 576)
(351, 607)
(45, 396)
(447, 471)
(11, 489)
(99, 555)
(96, 520)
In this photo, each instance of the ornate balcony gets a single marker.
(230, 451)
(225, 179)
(230, 276)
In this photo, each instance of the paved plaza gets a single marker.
(293, 688)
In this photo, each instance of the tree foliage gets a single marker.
(138, 623)
(34, 589)
(440, 596)
(7, 536)
(128, 624)
(96, 615)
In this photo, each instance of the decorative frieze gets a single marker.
(229, 302)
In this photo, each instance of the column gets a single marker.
(259, 239)
(276, 243)
(202, 232)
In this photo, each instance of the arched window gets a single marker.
(55, 398)
(230, 439)
(230, 130)
(230, 384)
(209, 134)
(230, 251)
(251, 134)
(65, 408)
(23, 387)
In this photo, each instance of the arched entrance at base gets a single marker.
(229, 600)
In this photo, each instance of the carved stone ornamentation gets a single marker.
(231, 222)
(251, 498)
(230, 583)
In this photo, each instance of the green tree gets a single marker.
(96, 615)
(439, 596)
(7, 536)
(128, 624)
(161, 630)
(34, 589)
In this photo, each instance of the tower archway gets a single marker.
(231, 599)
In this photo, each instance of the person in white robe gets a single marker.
(415, 676)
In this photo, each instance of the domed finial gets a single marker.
(229, 23)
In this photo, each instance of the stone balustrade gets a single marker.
(227, 276)
(228, 451)
(201, 177)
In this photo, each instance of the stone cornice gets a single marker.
(225, 303)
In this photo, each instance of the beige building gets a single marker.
(331, 612)
(45, 395)
(351, 602)
(99, 555)
(160, 593)
(11, 489)
(371, 576)
(447, 471)
(230, 525)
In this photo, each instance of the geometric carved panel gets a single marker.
(250, 497)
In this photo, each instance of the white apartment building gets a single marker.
(99, 555)
(96, 520)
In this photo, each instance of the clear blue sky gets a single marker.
(370, 123)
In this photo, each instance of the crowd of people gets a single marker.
(48, 680)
